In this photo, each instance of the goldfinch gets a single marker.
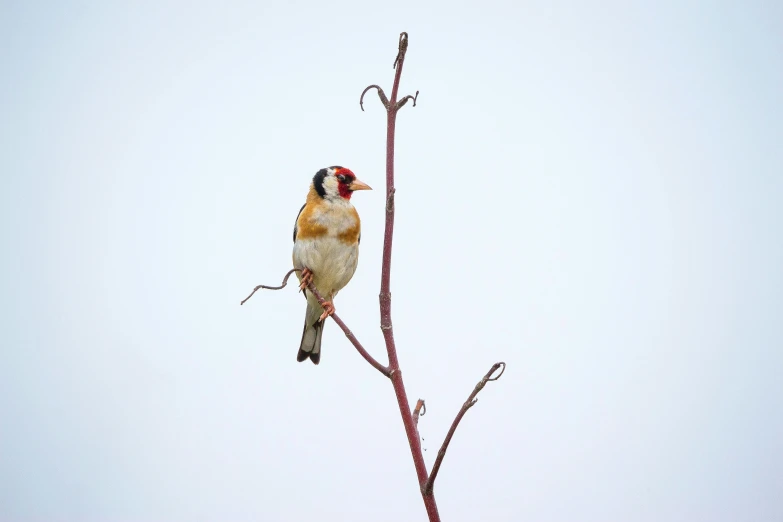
(326, 248)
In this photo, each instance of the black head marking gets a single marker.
(318, 182)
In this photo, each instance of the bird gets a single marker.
(327, 232)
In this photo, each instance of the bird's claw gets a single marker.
(307, 278)
(328, 310)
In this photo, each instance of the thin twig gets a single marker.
(405, 100)
(348, 333)
(465, 407)
(264, 287)
(381, 95)
(351, 337)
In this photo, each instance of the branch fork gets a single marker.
(392, 107)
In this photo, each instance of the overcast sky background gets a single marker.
(590, 193)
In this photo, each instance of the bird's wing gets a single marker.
(296, 229)
(297, 220)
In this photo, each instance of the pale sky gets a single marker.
(590, 193)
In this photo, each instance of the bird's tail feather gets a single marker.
(310, 347)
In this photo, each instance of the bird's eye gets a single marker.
(341, 178)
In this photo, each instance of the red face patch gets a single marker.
(344, 178)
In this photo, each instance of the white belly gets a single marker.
(332, 262)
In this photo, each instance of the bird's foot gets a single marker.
(328, 310)
(307, 278)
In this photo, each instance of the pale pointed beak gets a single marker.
(358, 185)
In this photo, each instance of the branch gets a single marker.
(351, 337)
(465, 407)
(264, 287)
(348, 333)
(410, 419)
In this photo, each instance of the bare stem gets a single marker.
(385, 295)
(465, 407)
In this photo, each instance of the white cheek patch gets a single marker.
(331, 187)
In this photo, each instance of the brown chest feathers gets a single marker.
(320, 218)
